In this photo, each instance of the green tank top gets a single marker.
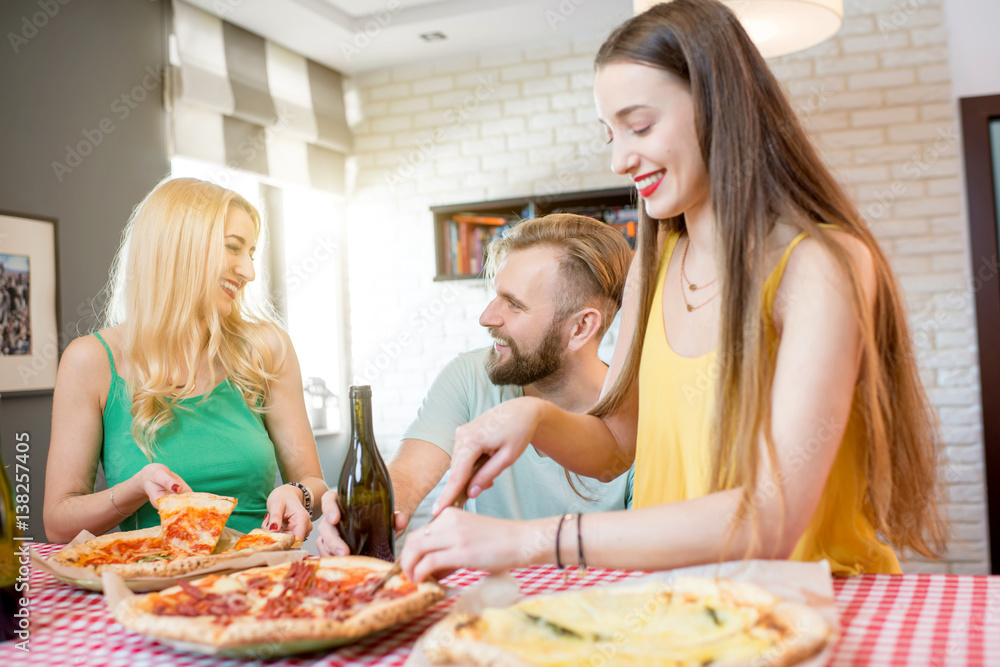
(217, 444)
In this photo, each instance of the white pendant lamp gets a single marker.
(780, 27)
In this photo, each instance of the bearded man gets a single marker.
(559, 281)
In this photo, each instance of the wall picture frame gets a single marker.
(29, 304)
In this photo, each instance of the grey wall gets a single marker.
(75, 71)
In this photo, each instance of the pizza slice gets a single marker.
(137, 546)
(259, 539)
(191, 523)
(324, 598)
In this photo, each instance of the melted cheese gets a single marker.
(226, 585)
(192, 531)
(640, 626)
(253, 539)
(123, 551)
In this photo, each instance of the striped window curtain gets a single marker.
(241, 101)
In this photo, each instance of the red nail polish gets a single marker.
(274, 526)
(176, 488)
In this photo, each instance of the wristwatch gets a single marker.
(307, 496)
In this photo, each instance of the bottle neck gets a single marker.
(361, 420)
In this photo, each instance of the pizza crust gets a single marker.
(809, 637)
(445, 644)
(178, 502)
(158, 568)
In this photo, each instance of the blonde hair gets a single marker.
(761, 165)
(162, 293)
(594, 260)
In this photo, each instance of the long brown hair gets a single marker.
(761, 165)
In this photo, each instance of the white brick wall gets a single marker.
(877, 100)
(503, 124)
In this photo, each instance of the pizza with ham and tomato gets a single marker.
(186, 540)
(691, 621)
(325, 598)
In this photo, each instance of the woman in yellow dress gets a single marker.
(764, 382)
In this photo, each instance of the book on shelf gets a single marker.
(455, 249)
(463, 232)
(474, 219)
(628, 230)
(446, 251)
(463, 247)
(622, 218)
(466, 239)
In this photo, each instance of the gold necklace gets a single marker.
(692, 286)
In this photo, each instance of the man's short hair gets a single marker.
(594, 260)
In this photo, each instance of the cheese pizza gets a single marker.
(692, 621)
(328, 598)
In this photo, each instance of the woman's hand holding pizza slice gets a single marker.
(157, 480)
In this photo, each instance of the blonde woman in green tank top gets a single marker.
(189, 386)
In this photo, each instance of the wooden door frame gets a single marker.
(976, 114)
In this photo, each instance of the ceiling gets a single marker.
(359, 8)
(354, 36)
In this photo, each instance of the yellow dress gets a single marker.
(673, 453)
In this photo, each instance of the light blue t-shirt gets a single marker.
(535, 486)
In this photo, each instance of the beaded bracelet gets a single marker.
(307, 496)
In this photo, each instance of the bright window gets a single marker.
(300, 267)
(313, 284)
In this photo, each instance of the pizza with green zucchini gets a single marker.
(691, 621)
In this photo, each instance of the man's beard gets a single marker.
(527, 368)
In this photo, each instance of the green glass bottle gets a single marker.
(364, 493)
(10, 598)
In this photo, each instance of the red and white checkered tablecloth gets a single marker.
(928, 620)
(918, 619)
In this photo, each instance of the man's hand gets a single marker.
(400, 521)
(330, 543)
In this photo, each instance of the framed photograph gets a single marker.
(29, 341)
